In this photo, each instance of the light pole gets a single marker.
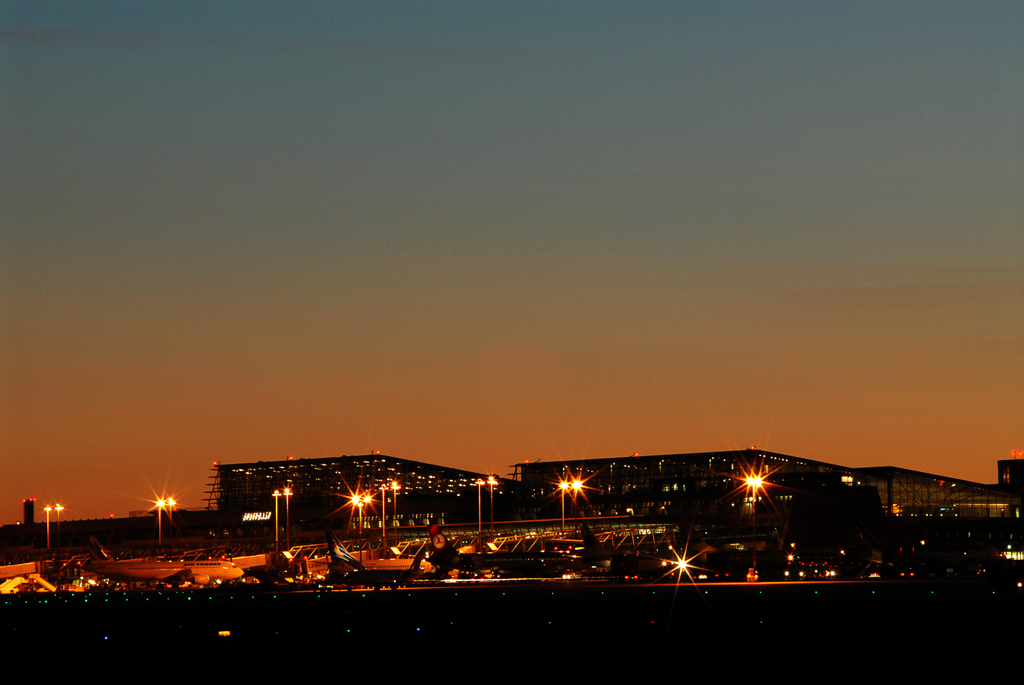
(47, 509)
(287, 518)
(754, 482)
(492, 481)
(479, 516)
(395, 487)
(577, 486)
(277, 522)
(366, 500)
(563, 486)
(358, 501)
(58, 509)
(160, 504)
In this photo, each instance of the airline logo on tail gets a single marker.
(438, 539)
(443, 556)
(339, 553)
(346, 569)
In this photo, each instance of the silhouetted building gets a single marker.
(1011, 473)
(704, 483)
(330, 481)
(800, 504)
(801, 501)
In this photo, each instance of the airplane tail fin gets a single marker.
(338, 552)
(439, 541)
(96, 551)
(443, 554)
(591, 545)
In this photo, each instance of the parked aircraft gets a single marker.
(945, 559)
(596, 557)
(499, 564)
(101, 563)
(444, 556)
(347, 570)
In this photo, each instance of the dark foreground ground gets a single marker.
(724, 624)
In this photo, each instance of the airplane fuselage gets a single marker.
(541, 564)
(199, 572)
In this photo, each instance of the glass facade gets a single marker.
(330, 481)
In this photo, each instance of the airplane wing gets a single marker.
(180, 577)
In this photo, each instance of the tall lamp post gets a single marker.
(384, 515)
(160, 504)
(479, 516)
(754, 482)
(287, 492)
(492, 481)
(277, 522)
(395, 487)
(577, 486)
(563, 486)
(47, 509)
(58, 509)
(358, 500)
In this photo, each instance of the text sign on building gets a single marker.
(250, 516)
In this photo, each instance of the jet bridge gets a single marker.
(15, 576)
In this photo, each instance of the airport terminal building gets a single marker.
(703, 496)
(331, 481)
(653, 484)
(799, 501)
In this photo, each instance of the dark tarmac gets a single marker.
(718, 621)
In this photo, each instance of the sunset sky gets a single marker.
(481, 233)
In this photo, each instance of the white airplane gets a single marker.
(198, 572)
(347, 570)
